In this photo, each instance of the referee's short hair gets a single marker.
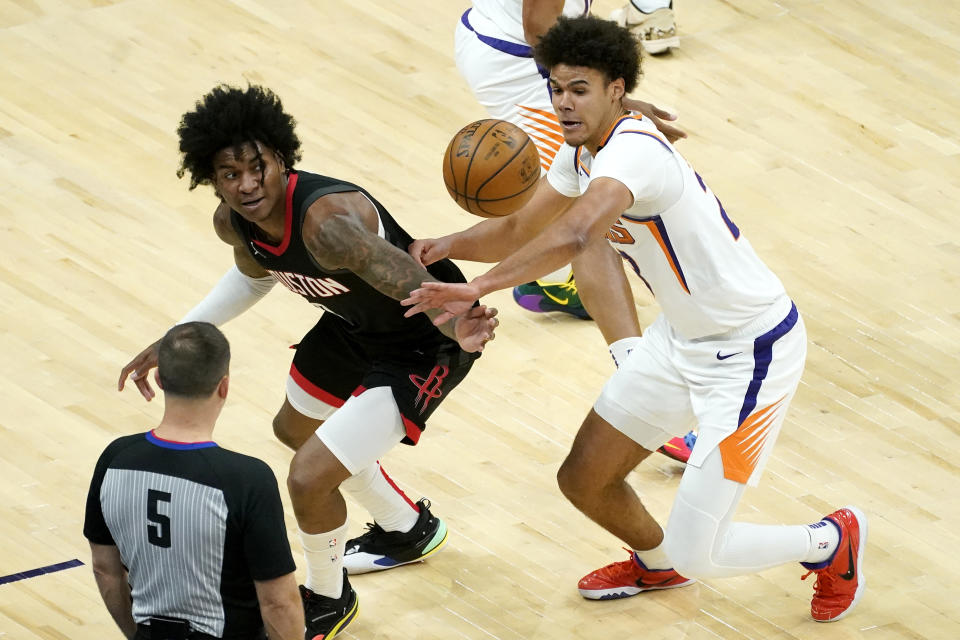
(193, 358)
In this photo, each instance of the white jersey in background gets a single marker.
(676, 236)
(498, 64)
(504, 18)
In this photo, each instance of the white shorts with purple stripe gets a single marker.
(734, 389)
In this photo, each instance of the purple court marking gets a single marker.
(33, 573)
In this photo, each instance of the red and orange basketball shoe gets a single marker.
(679, 448)
(628, 578)
(840, 579)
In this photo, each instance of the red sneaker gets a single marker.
(628, 578)
(840, 579)
(679, 448)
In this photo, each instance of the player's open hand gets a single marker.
(475, 328)
(429, 250)
(657, 116)
(139, 369)
(450, 298)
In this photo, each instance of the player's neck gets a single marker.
(593, 146)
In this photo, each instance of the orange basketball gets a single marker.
(491, 168)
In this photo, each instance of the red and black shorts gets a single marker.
(332, 363)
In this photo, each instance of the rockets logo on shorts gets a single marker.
(430, 386)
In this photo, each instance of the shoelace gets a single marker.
(372, 529)
(620, 571)
(570, 286)
(823, 587)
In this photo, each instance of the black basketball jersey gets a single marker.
(369, 314)
(195, 526)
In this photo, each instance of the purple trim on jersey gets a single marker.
(636, 269)
(762, 356)
(658, 221)
(179, 446)
(507, 47)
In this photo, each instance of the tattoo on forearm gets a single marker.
(345, 244)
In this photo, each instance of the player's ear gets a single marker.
(618, 89)
(223, 387)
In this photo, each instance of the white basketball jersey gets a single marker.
(676, 236)
(504, 18)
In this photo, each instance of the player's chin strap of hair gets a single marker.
(234, 294)
(622, 348)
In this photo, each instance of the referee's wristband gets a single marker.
(620, 349)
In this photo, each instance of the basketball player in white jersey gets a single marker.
(726, 354)
(495, 56)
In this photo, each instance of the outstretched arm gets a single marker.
(588, 218)
(340, 231)
(238, 290)
(496, 238)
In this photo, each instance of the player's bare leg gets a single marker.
(593, 478)
(292, 428)
(330, 603)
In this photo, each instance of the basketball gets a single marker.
(491, 168)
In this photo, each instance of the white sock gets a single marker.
(824, 540)
(377, 493)
(324, 556)
(560, 275)
(655, 558)
(649, 6)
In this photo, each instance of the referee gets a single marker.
(188, 539)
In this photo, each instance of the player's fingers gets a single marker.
(663, 113)
(124, 373)
(672, 133)
(416, 251)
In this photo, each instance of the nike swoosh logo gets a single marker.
(643, 583)
(729, 355)
(555, 298)
(851, 570)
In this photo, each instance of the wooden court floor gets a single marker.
(829, 130)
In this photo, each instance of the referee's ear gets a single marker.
(223, 387)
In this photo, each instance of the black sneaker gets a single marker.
(377, 549)
(326, 617)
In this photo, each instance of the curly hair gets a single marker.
(589, 41)
(229, 117)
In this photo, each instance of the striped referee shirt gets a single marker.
(195, 526)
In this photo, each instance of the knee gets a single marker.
(281, 429)
(576, 483)
(689, 560)
(308, 478)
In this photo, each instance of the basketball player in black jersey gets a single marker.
(367, 374)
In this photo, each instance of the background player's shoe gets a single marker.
(628, 578)
(656, 31)
(326, 617)
(543, 296)
(679, 448)
(840, 580)
(378, 549)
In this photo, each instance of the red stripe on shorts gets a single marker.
(314, 390)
